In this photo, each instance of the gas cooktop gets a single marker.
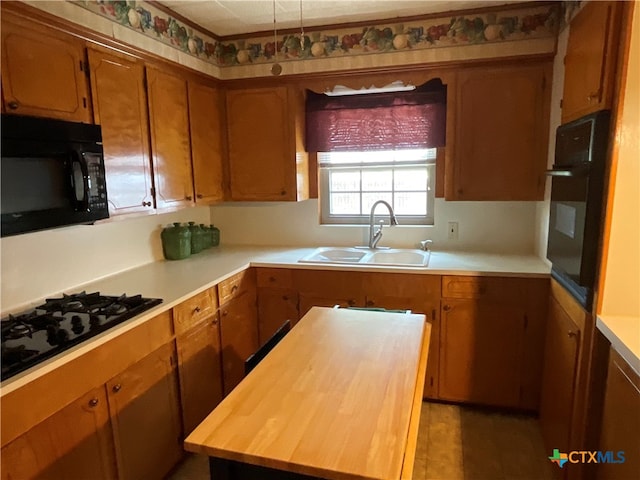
(60, 323)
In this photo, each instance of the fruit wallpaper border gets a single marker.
(504, 26)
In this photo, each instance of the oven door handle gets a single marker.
(577, 171)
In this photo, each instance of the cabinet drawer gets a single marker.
(508, 290)
(236, 285)
(194, 310)
(274, 278)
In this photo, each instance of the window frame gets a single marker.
(324, 193)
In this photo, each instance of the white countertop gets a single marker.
(176, 281)
(624, 334)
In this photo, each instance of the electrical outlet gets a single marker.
(452, 231)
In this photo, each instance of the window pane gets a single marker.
(345, 204)
(411, 203)
(345, 181)
(369, 198)
(410, 179)
(377, 180)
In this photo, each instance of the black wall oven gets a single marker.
(577, 197)
(52, 174)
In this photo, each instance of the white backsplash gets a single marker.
(496, 227)
(39, 264)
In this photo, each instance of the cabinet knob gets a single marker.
(93, 402)
(571, 334)
(200, 195)
(283, 192)
(446, 308)
(272, 279)
(285, 298)
(196, 310)
(351, 302)
(593, 96)
(116, 388)
(234, 288)
(225, 313)
(146, 204)
(13, 105)
(188, 197)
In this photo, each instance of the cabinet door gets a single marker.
(502, 123)
(275, 306)
(261, 145)
(620, 420)
(480, 352)
(205, 115)
(559, 378)
(43, 72)
(590, 61)
(200, 369)
(239, 337)
(145, 414)
(120, 107)
(170, 144)
(74, 443)
(326, 289)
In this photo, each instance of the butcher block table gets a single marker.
(338, 398)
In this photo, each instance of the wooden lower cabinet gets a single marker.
(620, 429)
(319, 288)
(74, 443)
(491, 338)
(238, 336)
(480, 350)
(145, 415)
(559, 374)
(275, 306)
(200, 368)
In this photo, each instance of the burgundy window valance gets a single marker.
(377, 121)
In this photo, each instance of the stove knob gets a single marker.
(94, 321)
(76, 320)
(77, 329)
(62, 335)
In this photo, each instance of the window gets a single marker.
(350, 182)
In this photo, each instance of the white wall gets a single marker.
(622, 273)
(39, 264)
(507, 227)
(542, 208)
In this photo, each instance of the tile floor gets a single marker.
(457, 443)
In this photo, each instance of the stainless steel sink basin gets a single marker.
(363, 256)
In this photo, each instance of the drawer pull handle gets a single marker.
(200, 195)
(571, 334)
(146, 204)
(116, 388)
(188, 198)
(272, 279)
(234, 288)
(93, 402)
(225, 313)
(446, 308)
(196, 310)
(13, 105)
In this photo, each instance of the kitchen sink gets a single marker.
(401, 257)
(364, 256)
(335, 255)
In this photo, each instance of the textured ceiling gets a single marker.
(232, 17)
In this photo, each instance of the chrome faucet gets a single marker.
(374, 238)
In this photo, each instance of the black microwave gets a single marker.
(52, 174)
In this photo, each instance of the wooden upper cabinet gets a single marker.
(43, 72)
(590, 61)
(501, 133)
(207, 150)
(170, 143)
(265, 128)
(120, 107)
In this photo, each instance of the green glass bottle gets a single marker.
(176, 242)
